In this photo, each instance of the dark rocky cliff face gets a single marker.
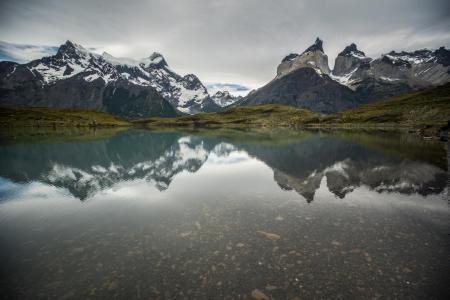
(133, 101)
(349, 60)
(305, 88)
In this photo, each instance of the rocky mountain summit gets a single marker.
(313, 57)
(348, 60)
(305, 80)
(421, 68)
(77, 78)
(224, 98)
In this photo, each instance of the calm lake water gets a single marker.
(224, 215)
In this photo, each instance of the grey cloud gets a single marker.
(228, 40)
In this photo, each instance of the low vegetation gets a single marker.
(430, 107)
(269, 115)
(14, 135)
(38, 117)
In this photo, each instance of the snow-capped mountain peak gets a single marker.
(408, 70)
(186, 93)
(70, 48)
(222, 94)
(224, 98)
(347, 63)
(154, 60)
(352, 50)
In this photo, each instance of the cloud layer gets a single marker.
(232, 88)
(24, 53)
(227, 40)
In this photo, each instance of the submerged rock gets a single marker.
(258, 295)
(270, 236)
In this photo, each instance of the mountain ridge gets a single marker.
(149, 84)
(361, 79)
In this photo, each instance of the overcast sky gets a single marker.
(228, 41)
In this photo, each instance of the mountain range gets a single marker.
(78, 78)
(306, 80)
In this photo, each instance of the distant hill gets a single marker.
(427, 107)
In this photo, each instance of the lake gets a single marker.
(224, 214)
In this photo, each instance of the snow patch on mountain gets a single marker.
(417, 57)
(345, 79)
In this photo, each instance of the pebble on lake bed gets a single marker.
(78, 250)
(270, 236)
(185, 234)
(258, 295)
(197, 224)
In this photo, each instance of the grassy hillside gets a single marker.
(269, 115)
(51, 117)
(423, 108)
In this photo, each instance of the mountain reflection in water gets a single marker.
(85, 168)
(225, 215)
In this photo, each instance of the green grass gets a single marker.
(14, 135)
(269, 115)
(429, 107)
(37, 117)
